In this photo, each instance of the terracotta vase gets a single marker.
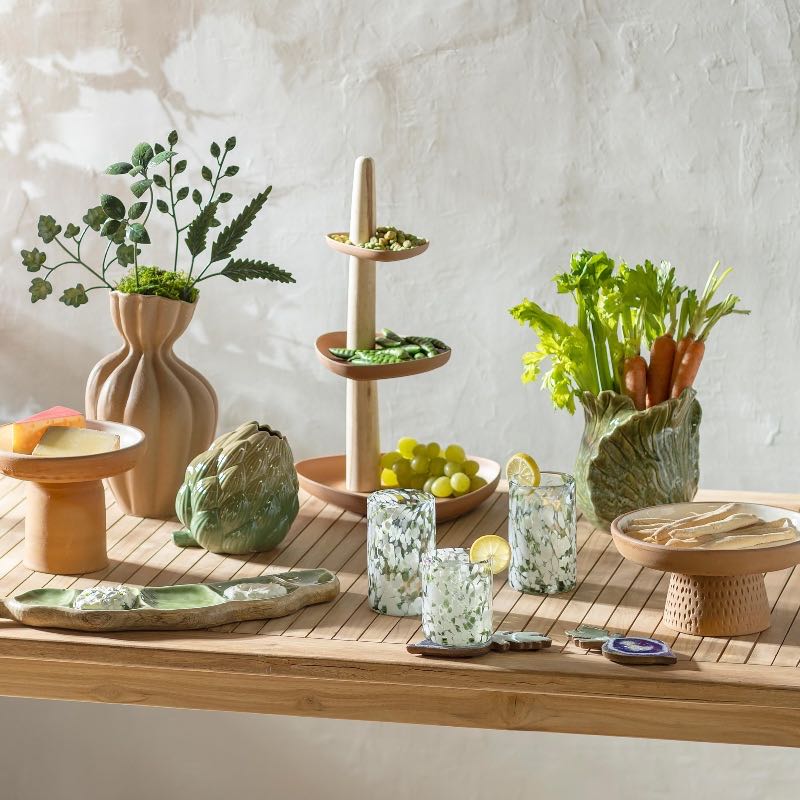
(146, 385)
(632, 459)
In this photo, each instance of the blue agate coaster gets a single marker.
(636, 650)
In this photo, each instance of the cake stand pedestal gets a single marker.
(65, 514)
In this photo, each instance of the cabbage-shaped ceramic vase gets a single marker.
(632, 459)
(241, 495)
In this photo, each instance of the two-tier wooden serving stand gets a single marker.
(346, 480)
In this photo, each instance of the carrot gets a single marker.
(688, 367)
(680, 349)
(634, 378)
(659, 373)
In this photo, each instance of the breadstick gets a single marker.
(745, 542)
(729, 523)
(664, 533)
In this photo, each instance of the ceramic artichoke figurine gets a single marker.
(632, 459)
(240, 496)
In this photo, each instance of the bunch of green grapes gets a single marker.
(443, 473)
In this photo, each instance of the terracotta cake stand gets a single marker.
(65, 516)
(346, 480)
(712, 592)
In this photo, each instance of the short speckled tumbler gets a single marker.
(401, 527)
(456, 598)
(542, 532)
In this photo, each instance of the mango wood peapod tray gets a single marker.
(340, 659)
(712, 592)
(173, 608)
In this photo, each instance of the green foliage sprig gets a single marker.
(125, 230)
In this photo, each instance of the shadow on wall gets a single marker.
(54, 356)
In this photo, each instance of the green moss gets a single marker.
(159, 282)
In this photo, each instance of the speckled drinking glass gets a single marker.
(401, 527)
(542, 534)
(456, 598)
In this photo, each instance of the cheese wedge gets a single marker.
(26, 433)
(7, 438)
(58, 441)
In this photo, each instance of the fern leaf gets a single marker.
(245, 269)
(232, 234)
(198, 229)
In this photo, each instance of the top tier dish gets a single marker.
(373, 255)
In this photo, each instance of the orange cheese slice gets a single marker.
(26, 433)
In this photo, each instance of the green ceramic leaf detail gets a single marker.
(172, 139)
(182, 193)
(230, 143)
(190, 595)
(61, 598)
(632, 459)
(71, 231)
(214, 150)
(180, 166)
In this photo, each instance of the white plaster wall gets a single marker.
(509, 133)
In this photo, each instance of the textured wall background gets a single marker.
(509, 133)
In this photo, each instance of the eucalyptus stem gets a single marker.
(174, 216)
(105, 256)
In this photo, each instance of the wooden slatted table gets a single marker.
(342, 660)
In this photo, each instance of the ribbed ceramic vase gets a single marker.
(146, 385)
(631, 459)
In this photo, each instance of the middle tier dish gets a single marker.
(372, 372)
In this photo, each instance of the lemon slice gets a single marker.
(493, 549)
(523, 469)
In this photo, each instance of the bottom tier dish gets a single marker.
(324, 477)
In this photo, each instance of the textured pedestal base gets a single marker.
(65, 528)
(717, 606)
